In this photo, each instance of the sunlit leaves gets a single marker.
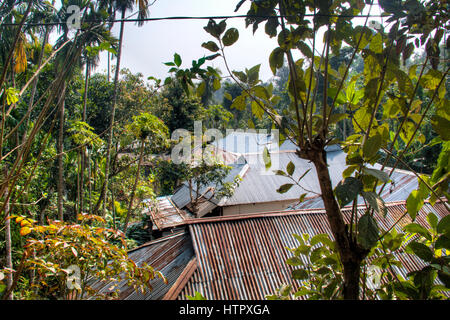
(371, 146)
(12, 95)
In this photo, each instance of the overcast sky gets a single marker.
(146, 48)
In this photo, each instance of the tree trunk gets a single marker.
(351, 254)
(60, 147)
(83, 149)
(9, 264)
(136, 181)
(113, 111)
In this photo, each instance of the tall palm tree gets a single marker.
(96, 35)
(120, 6)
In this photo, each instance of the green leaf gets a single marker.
(371, 146)
(444, 225)
(211, 46)
(294, 261)
(299, 274)
(347, 190)
(431, 79)
(257, 110)
(266, 158)
(177, 59)
(420, 250)
(432, 220)
(417, 228)
(285, 188)
(376, 43)
(240, 75)
(367, 231)
(215, 29)
(228, 96)
(253, 74)
(380, 175)
(441, 125)
(230, 37)
(376, 202)
(323, 238)
(197, 296)
(239, 103)
(290, 168)
(276, 60)
(443, 242)
(414, 203)
(271, 27)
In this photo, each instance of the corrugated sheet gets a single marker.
(398, 189)
(169, 255)
(244, 257)
(260, 185)
(165, 214)
(181, 197)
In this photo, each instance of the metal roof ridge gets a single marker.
(267, 214)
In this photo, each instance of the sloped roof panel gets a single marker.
(244, 257)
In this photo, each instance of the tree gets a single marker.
(311, 115)
(146, 128)
(122, 6)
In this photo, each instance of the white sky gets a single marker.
(146, 48)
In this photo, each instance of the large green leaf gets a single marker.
(417, 228)
(276, 60)
(347, 190)
(371, 146)
(290, 168)
(177, 59)
(211, 46)
(420, 250)
(367, 231)
(376, 202)
(230, 37)
(414, 203)
(285, 188)
(380, 175)
(444, 225)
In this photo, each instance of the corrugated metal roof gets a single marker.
(169, 255)
(165, 214)
(181, 197)
(402, 184)
(260, 185)
(244, 256)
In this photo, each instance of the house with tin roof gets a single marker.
(257, 190)
(243, 256)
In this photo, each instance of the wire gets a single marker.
(195, 18)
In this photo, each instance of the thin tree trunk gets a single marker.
(60, 147)
(113, 111)
(350, 252)
(35, 81)
(9, 264)
(83, 149)
(136, 181)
